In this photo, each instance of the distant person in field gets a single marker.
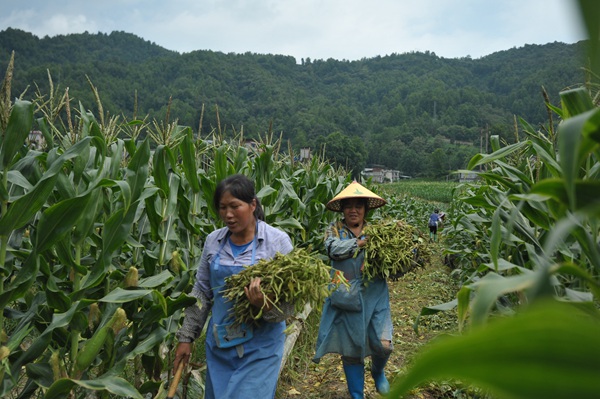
(434, 220)
(355, 323)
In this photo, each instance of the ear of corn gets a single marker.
(131, 278)
(55, 364)
(298, 277)
(91, 349)
(177, 264)
(94, 316)
(4, 352)
(93, 346)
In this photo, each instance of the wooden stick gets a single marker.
(290, 339)
(175, 382)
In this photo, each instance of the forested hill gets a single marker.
(415, 112)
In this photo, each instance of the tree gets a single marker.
(349, 153)
(378, 100)
(438, 161)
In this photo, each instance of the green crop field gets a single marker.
(102, 227)
(431, 191)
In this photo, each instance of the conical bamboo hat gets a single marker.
(356, 190)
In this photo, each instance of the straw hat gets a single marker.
(355, 190)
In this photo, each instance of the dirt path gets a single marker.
(426, 286)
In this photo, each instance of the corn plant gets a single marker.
(100, 232)
(534, 222)
(414, 211)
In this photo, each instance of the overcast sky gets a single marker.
(319, 29)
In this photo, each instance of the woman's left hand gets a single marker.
(255, 294)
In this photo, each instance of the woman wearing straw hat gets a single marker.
(356, 322)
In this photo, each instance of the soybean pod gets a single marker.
(392, 249)
(296, 278)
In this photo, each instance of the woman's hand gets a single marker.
(255, 295)
(182, 354)
(361, 242)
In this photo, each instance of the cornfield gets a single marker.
(101, 229)
(106, 221)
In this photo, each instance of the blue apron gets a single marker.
(250, 367)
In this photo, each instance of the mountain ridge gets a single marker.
(398, 106)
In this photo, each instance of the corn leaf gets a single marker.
(58, 220)
(17, 130)
(115, 385)
(549, 351)
(188, 158)
(160, 169)
(23, 209)
(119, 295)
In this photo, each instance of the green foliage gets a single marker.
(101, 231)
(548, 351)
(535, 216)
(527, 237)
(414, 112)
(347, 152)
(431, 191)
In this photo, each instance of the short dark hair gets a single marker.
(242, 188)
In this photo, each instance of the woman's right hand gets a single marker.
(182, 354)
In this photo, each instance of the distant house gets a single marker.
(36, 140)
(465, 177)
(382, 175)
(305, 153)
(250, 144)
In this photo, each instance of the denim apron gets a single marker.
(250, 366)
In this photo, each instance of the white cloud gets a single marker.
(65, 24)
(319, 29)
(22, 19)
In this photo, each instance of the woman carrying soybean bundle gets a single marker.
(241, 360)
(357, 322)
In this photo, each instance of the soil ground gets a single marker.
(425, 286)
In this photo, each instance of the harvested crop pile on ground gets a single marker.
(297, 278)
(393, 248)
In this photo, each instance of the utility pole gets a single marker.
(487, 137)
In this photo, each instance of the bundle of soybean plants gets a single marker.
(296, 278)
(393, 248)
